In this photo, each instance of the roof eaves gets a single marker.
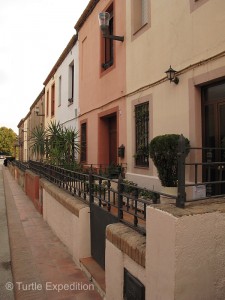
(38, 98)
(86, 13)
(61, 58)
(20, 123)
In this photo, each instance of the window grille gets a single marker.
(142, 134)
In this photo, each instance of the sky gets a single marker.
(33, 34)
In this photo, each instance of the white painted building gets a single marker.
(61, 88)
(67, 86)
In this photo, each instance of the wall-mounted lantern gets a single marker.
(36, 110)
(171, 75)
(121, 151)
(104, 18)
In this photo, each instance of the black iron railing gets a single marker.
(128, 201)
(75, 183)
(119, 197)
(208, 172)
(21, 165)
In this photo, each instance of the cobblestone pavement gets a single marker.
(42, 268)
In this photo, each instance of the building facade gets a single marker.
(102, 85)
(50, 97)
(67, 86)
(116, 93)
(187, 35)
(22, 140)
(35, 118)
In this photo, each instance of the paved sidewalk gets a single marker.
(41, 265)
(5, 259)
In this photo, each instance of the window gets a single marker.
(83, 156)
(142, 134)
(42, 108)
(107, 44)
(53, 100)
(140, 14)
(60, 91)
(47, 104)
(71, 83)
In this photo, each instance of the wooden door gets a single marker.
(112, 121)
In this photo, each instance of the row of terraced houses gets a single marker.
(99, 85)
(110, 83)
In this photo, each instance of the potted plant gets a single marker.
(163, 150)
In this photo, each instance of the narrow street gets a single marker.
(34, 264)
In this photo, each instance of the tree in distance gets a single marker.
(8, 138)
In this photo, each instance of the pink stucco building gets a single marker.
(102, 84)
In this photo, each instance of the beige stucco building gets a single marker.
(22, 139)
(34, 118)
(189, 36)
(50, 97)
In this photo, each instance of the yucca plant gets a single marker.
(57, 144)
(54, 135)
(71, 144)
(38, 142)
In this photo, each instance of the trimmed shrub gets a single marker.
(163, 150)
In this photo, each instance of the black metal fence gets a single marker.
(125, 200)
(74, 182)
(119, 197)
(128, 201)
(206, 169)
(21, 165)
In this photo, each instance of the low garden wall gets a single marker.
(32, 189)
(125, 250)
(18, 174)
(181, 258)
(68, 217)
(185, 251)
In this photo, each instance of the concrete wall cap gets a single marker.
(31, 173)
(193, 208)
(73, 204)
